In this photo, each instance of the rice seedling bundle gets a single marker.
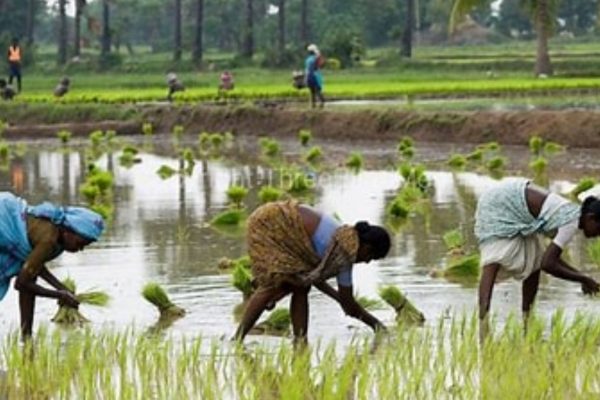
(457, 161)
(463, 268)
(584, 184)
(368, 303)
(406, 312)
(354, 161)
(236, 195)
(453, 240)
(267, 194)
(593, 251)
(277, 323)
(270, 147)
(147, 128)
(398, 208)
(64, 135)
(165, 171)
(314, 154)
(241, 279)
(228, 217)
(305, 137)
(71, 316)
(156, 295)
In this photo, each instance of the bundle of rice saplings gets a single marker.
(71, 316)
(406, 312)
(156, 295)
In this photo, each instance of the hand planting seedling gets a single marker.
(406, 312)
(71, 316)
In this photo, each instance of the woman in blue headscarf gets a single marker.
(314, 78)
(32, 235)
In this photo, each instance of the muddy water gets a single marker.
(160, 233)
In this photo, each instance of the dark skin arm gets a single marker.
(486, 287)
(552, 264)
(345, 297)
(529, 291)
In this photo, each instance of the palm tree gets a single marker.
(79, 5)
(198, 49)
(543, 15)
(177, 39)
(30, 22)
(304, 23)
(62, 32)
(248, 41)
(106, 39)
(407, 35)
(281, 27)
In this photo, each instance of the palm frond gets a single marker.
(460, 9)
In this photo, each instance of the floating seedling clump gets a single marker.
(355, 161)
(156, 295)
(305, 137)
(241, 279)
(583, 185)
(236, 195)
(457, 161)
(267, 194)
(314, 155)
(228, 218)
(165, 171)
(147, 128)
(270, 147)
(64, 136)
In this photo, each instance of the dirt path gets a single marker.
(575, 128)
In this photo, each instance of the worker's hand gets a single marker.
(589, 286)
(66, 298)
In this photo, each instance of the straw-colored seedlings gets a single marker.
(71, 316)
(156, 295)
(406, 312)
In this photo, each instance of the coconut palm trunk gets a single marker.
(248, 42)
(281, 27)
(79, 4)
(106, 39)
(304, 23)
(177, 33)
(198, 45)
(543, 27)
(62, 32)
(407, 35)
(30, 22)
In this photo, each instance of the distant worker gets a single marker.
(314, 79)
(6, 91)
(63, 87)
(174, 84)
(14, 63)
(227, 82)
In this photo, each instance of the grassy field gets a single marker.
(467, 71)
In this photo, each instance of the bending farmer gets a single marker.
(510, 222)
(314, 78)
(32, 235)
(292, 247)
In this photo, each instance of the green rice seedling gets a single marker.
(64, 135)
(267, 194)
(491, 147)
(454, 240)
(355, 161)
(536, 145)
(71, 316)
(406, 148)
(127, 159)
(475, 156)
(102, 179)
(398, 208)
(228, 218)
(4, 151)
(178, 131)
(406, 312)
(89, 191)
(277, 323)
(552, 148)
(236, 195)
(165, 172)
(457, 161)
(96, 138)
(147, 128)
(305, 136)
(226, 263)
(156, 295)
(313, 155)
(241, 279)
(495, 164)
(463, 268)
(106, 210)
(368, 303)
(300, 182)
(130, 149)
(583, 185)
(3, 126)
(204, 140)
(189, 158)
(538, 165)
(270, 147)
(217, 140)
(593, 251)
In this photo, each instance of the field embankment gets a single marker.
(575, 128)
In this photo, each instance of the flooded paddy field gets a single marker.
(160, 231)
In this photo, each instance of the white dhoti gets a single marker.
(518, 257)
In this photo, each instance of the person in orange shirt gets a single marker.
(14, 63)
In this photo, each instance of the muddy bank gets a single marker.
(575, 128)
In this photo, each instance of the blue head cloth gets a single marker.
(83, 221)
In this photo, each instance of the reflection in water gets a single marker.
(160, 233)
